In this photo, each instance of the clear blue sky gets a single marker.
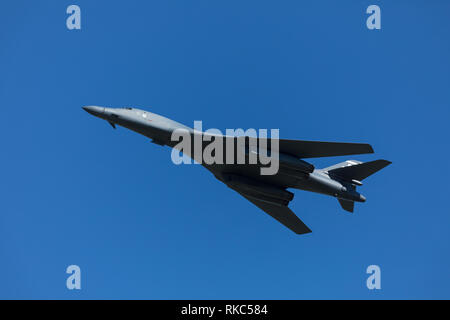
(74, 191)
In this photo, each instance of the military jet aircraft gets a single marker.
(268, 192)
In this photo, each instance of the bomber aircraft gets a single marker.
(267, 191)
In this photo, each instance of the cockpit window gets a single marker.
(128, 108)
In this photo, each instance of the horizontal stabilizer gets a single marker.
(347, 205)
(359, 171)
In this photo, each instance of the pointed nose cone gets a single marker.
(95, 111)
(362, 198)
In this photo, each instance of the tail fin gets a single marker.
(346, 163)
(358, 171)
(353, 172)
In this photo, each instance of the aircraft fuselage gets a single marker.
(160, 129)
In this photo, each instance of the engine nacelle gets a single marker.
(285, 160)
(256, 189)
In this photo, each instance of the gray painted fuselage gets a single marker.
(159, 129)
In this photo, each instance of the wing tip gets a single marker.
(384, 163)
(304, 231)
